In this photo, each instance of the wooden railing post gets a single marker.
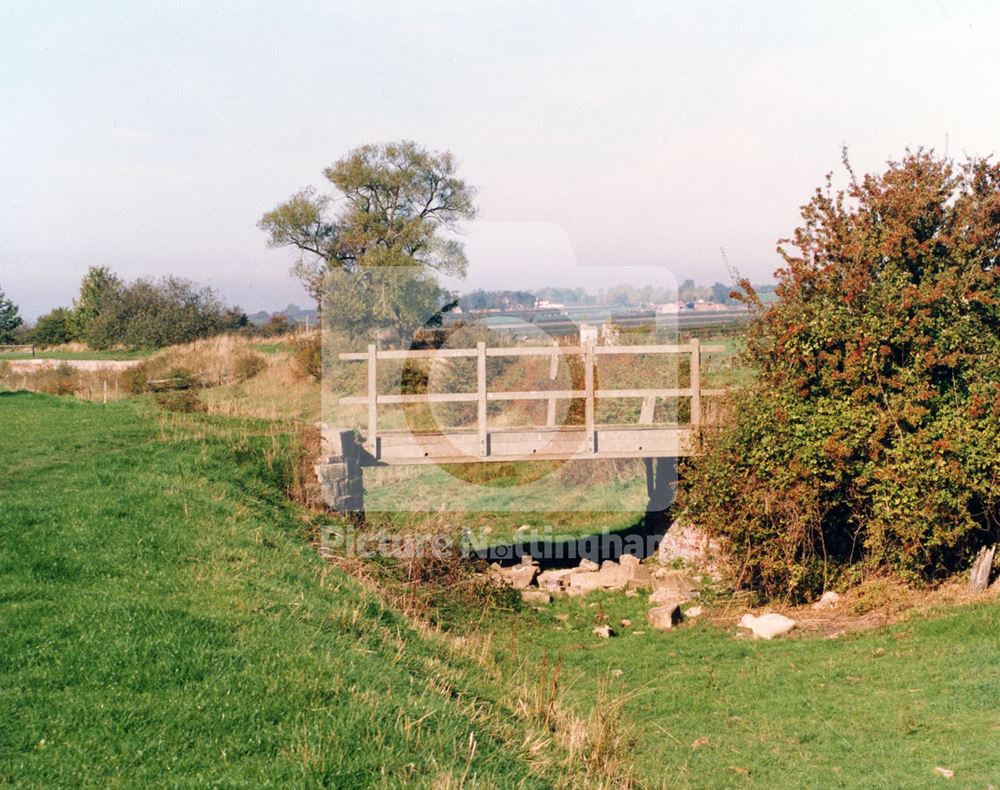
(481, 396)
(372, 441)
(588, 387)
(550, 417)
(695, 382)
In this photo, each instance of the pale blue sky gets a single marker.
(151, 136)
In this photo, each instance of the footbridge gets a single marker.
(348, 451)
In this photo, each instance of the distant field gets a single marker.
(56, 354)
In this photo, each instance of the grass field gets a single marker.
(76, 354)
(167, 622)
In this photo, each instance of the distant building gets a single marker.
(546, 304)
(671, 307)
(588, 334)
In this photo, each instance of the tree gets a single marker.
(869, 440)
(53, 328)
(720, 293)
(10, 318)
(396, 200)
(99, 288)
(154, 314)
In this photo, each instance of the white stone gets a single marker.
(665, 596)
(827, 600)
(678, 581)
(694, 611)
(603, 631)
(520, 577)
(555, 580)
(664, 617)
(629, 561)
(588, 565)
(767, 626)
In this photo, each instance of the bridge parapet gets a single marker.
(486, 443)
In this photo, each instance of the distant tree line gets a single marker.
(109, 312)
(497, 300)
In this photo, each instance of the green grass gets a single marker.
(876, 709)
(166, 622)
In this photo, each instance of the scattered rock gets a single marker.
(562, 617)
(639, 577)
(947, 773)
(588, 565)
(663, 597)
(631, 593)
(603, 631)
(664, 617)
(519, 577)
(694, 611)
(629, 561)
(523, 528)
(535, 596)
(626, 622)
(702, 741)
(767, 626)
(676, 581)
(827, 600)
(617, 673)
(555, 580)
(610, 577)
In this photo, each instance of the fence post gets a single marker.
(372, 442)
(550, 417)
(105, 382)
(695, 382)
(588, 386)
(481, 397)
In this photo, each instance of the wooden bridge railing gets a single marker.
(482, 396)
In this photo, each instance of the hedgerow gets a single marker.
(869, 439)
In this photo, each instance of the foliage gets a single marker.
(869, 440)
(54, 328)
(397, 201)
(136, 378)
(98, 289)
(248, 364)
(307, 355)
(183, 401)
(10, 318)
(153, 314)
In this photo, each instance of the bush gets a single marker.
(53, 328)
(148, 314)
(868, 442)
(307, 355)
(248, 364)
(184, 401)
(137, 379)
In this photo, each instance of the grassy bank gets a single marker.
(882, 708)
(167, 623)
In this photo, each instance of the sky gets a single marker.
(609, 142)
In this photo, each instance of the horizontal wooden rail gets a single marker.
(616, 443)
(528, 351)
